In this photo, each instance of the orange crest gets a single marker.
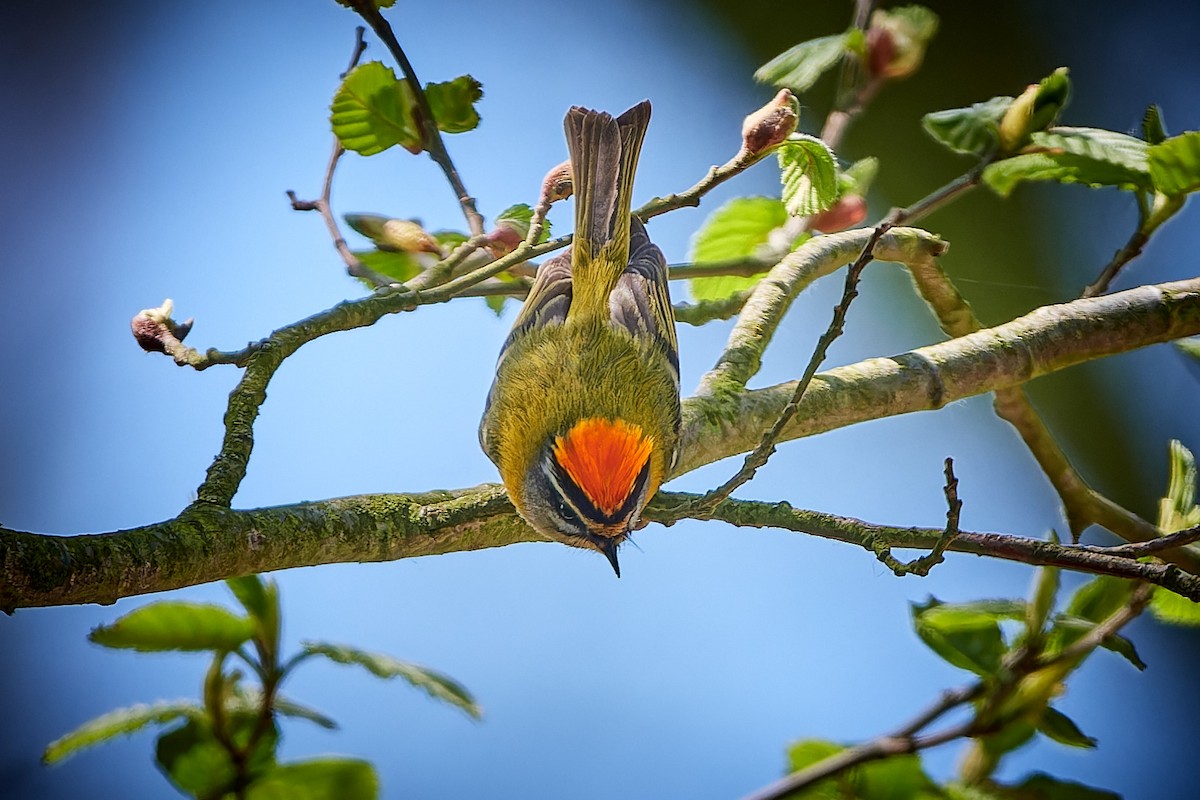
(604, 457)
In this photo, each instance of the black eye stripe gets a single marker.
(578, 500)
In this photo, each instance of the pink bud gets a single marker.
(768, 127)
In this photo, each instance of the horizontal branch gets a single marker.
(208, 543)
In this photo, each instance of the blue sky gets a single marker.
(146, 152)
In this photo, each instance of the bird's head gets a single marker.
(589, 484)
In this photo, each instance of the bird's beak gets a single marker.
(609, 548)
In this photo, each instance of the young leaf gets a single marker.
(120, 722)
(317, 779)
(249, 700)
(807, 752)
(969, 639)
(436, 685)
(1177, 511)
(1040, 786)
(496, 303)
(453, 103)
(1045, 589)
(175, 625)
(1175, 164)
(974, 130)
(858, 177)
(1089, 156)
(1062, 729)
(261, 599)
(1035, 109)
(736, 230)
(799, 67)
(372, 111)
(1067, 629)
(194, 760)
(1153, 129)
(398, 266)
(1189, 346)
(809, 175)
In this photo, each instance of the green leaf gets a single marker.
(436, 685)
(896, 778)
(394, 264)
(1175, 164)
(249, 700)
(453, 103)
(1062, 729)
(1067, 629)
(799, 67)
(805, 753)
(858, 177)
(1040, 786)
(1035, 109)
(378, 3)
(194, 760)
(1100, 598)
(737, 230)
(1178, 511)
(175, 625)
(968, 638)
(1189, 346)
(318, 779)
(496, 303)
(120, 722)
(520, 217)
(1045, 590)
(1090, 156)
(1153, 129)
(372, 111)
(809, 175)
(448, 240)
(974, 130)
(261, 599)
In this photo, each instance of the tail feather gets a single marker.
(604, 155)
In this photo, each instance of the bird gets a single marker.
(583, 417)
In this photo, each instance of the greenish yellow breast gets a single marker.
(557, 375)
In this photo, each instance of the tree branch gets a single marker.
(431, 135)
(209, 541)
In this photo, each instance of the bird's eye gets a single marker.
(567, 513)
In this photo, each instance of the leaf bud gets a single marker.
(848, 211)
(558, 184)
(768, 127)
(1036, 109)
(403, 235)
(153, 328)
(897, 40)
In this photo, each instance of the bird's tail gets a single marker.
(604, 155)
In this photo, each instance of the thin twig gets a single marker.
(432, 138)
(354, 266)
(1131, 250)
(923, 564)
(766, 447)
(908, 739)
(669, 507)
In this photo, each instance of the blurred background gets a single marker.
(145, 149)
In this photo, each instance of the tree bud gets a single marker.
(558, 184)
(153, 328)
(768, 127)
(848, 211)
(897, 40)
